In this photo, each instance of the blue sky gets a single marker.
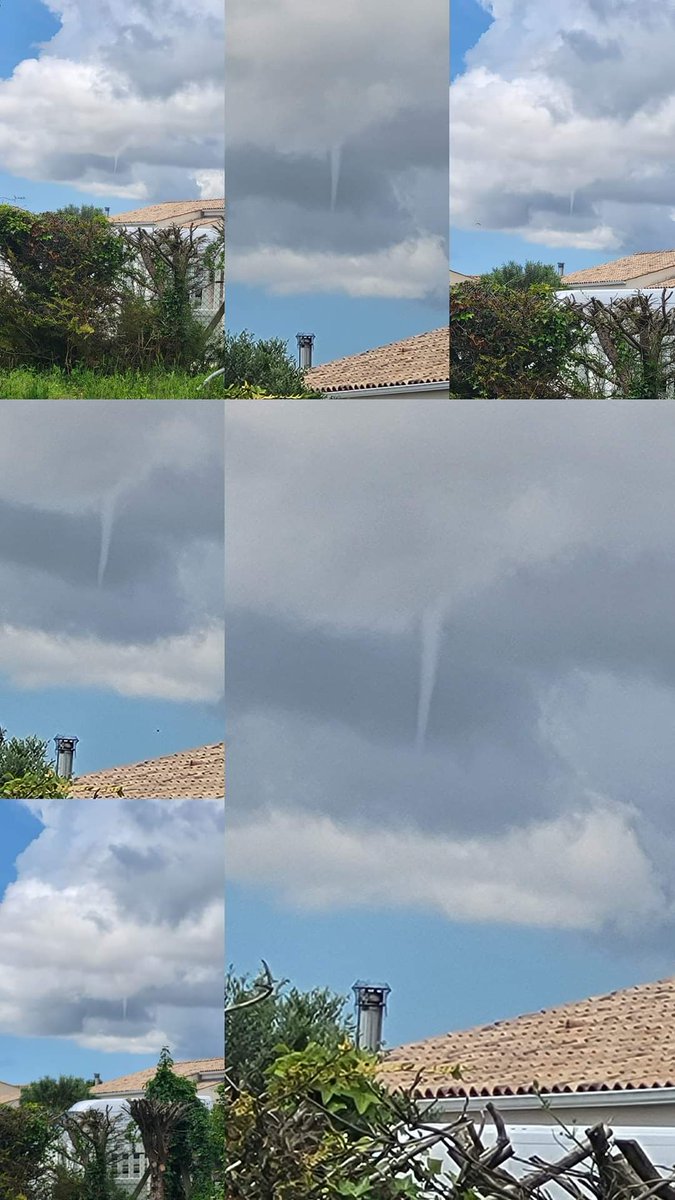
(540, 130)
(111, 729)
(112, 576)
(444, 975)
(341, 324)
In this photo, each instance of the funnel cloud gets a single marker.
(525, 716)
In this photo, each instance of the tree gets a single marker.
(25, 1134)
(293, 1018)
(85, 212)
(323, 1128)
(316, 1124)
(218, 1136)
(25, 771)
(514, 275)
(93, 1140)
(169, 264)
(631, 349)
(157, 1122)
(36, 785)
(191, 1161)
(58, 306)
(264, 363)
(511, 344)
(56, 1096)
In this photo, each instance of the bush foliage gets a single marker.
(514, 335)
(90, 310)
(510, 343)
(25, 771)
(79, 292)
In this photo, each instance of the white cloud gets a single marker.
(211, 184)
(562, 125)
(600, 237)
(583, 870)
(401, 271)
(125, 99)
(188, 667)
(86, 953)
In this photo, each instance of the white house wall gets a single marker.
(588, 1108)
(213, 291)
(131, 1165)
(537, 1143)
(606, 295)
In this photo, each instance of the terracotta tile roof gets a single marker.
(622, 269)
(9, 1093)
(138, 1079)
(168, 210)
(622, 1040)
(424, 358)
(191, 774)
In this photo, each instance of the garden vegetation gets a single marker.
(49, 1153)
(91, 310)
(513, 336)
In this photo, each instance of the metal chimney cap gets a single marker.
(371, 994)
(65, 743)
(305, 346)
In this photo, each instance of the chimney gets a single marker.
(371, 1005)
(65, 753)
(561, 268)
(107, 212)
(305, 344)
(97, 1078)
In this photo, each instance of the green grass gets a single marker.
(24, 384)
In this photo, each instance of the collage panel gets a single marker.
(111, 599)
(337, 199)
(111, 999)
(449, 828)
(563, 267)
(112, 205)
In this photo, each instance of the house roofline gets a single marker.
(595, 1099)
(390, 390)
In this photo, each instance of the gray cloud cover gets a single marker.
(543, 535)
(337, 146)
(111, 533)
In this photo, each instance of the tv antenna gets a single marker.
(12, 198)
